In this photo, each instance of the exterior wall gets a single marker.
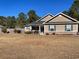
(60, 29)
(75, 28)
(60, 18)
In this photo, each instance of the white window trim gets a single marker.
(70, 29)
(52, 27)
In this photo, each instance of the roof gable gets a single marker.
(46, 18)
(61, 18)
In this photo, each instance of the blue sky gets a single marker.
(42, 7)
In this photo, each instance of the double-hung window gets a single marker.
(68, 27)
(52, 27)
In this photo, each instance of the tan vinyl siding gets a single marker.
(60, 18)
(75, 28)
(46, 28)
(60, 29)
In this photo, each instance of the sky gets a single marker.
(42, 7)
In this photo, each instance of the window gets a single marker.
(68, 28)
(52, 27)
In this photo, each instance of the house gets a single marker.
(58, 24)
(38, 25)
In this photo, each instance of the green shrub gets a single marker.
(28, 32)
(8, 32)
(4, 30)
(53, 33)
(36, 32)
(14, 30)
(17, 31)
(47, 33)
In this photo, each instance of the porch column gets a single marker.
(39, 29)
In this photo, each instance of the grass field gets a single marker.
(21, 46)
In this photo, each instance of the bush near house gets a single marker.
(28, 32)
(36, 32)
(53, 33)
(47, 33)
(4, 30)
(17, 31)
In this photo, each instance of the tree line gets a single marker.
(74, 10)
(31, 16)
(20, 21)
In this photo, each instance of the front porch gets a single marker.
(37, 28)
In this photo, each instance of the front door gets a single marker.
(42, 28)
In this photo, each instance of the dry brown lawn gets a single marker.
(22, 46)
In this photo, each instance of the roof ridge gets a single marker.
(45, 16)
(62, 14)
(69, 16)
